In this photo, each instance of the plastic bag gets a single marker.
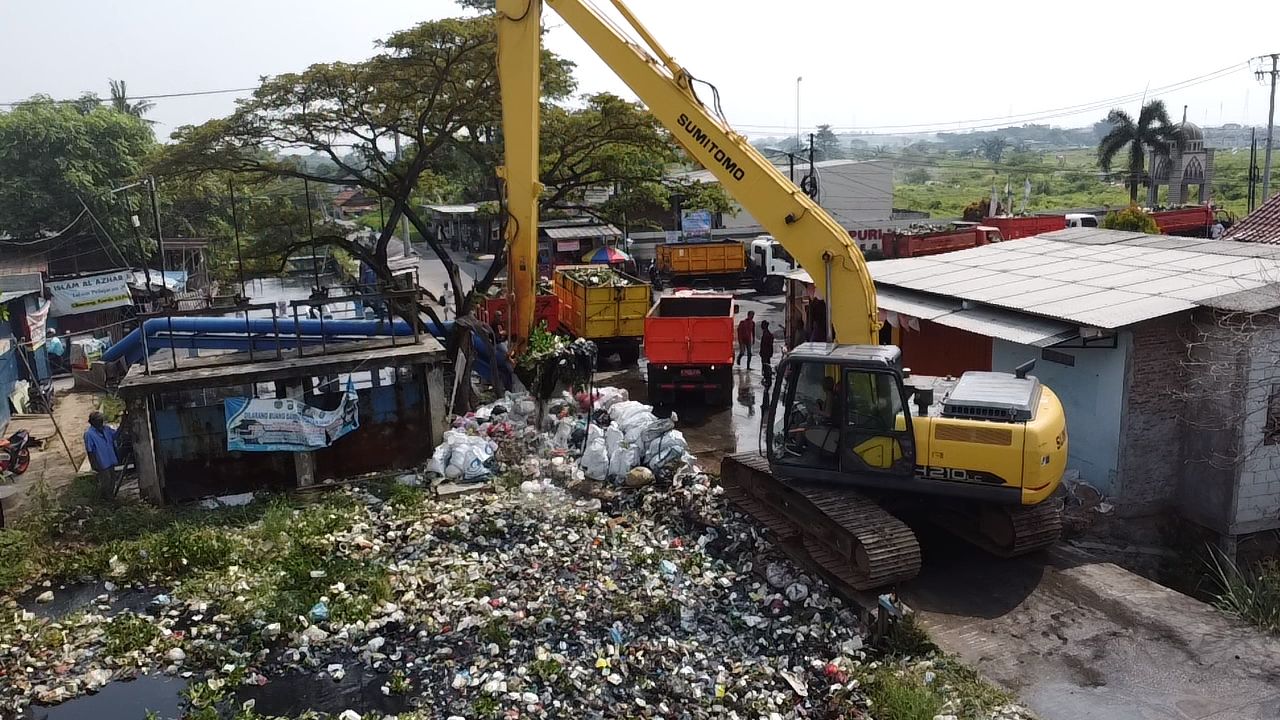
(629, 413)
(563, 434)
(619, 451)
(595, 461)
(607, 397)
(669, 447)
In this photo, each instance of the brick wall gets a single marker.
(1151, 459)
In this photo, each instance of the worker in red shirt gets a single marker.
(746, 336)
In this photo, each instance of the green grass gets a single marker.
(957, 181)
(902, 697)
(1251, 594)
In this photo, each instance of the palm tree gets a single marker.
(120, 101)
(1152, 131)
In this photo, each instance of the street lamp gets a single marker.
(798, 79)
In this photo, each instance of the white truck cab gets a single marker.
(768, 262)
(1082, 220)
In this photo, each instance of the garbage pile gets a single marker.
(610, 437)
(534, 600)
(600, 276)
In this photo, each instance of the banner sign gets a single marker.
(696, 224)
(37, 322)
(90, 293)
(288, 425)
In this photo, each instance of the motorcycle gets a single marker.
(15, 452)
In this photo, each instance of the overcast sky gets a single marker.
(865, 64)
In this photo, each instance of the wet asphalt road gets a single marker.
(713, 432)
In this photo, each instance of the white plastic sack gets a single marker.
(630, 413)
(620, 455)
(607, 397)
(667, 448)
(595, 460)
(563, 434)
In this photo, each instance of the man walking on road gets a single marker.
(746, 337)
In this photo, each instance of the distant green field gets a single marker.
(954, 182)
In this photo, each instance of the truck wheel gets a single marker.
(629, 354)
(655, 393)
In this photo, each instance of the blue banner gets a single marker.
(288, 425)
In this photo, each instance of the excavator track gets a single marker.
(1004, 531)
(849, 536)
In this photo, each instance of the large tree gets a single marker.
(1152, 131)
(827, 145)
(429, 86)
(55, 155)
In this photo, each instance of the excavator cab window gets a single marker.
(807, 417)
(829, 417)
(877, 433)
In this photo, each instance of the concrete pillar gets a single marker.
(304, 463)
(150, 471)
(436, 402)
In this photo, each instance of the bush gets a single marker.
(1252, 596)
(1131, 218)
(916, 176)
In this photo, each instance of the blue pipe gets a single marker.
(130, 346)
(260, 334)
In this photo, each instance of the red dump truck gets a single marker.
(914, 243)
(1014, 227)
(688, 341)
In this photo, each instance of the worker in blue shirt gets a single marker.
(100, 446)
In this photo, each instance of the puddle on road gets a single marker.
(121, 700)
(360, 690)
(80, 596)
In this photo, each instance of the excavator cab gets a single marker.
(841, 411)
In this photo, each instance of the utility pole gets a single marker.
(155, 217)
(1253, 165)
(798, 79)
(1271, 121)
(812, 190)
(235, 226)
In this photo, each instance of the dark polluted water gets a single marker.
(359, 690)
(80, 596)
(121, 700)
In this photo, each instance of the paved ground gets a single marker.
(49, 464)
(1079, 639)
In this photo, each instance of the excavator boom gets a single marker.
(799, 224)
(993, 450)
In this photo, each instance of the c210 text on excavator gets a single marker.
(705, 141)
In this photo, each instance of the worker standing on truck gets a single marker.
(746, 337)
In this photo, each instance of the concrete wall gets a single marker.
(853, 192)
(1091, 392)
(1216, 365)
(1257, 497)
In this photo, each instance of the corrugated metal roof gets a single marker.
(1091, 276)
(582, 232)
(8, 295)
(452, 209)
(1008, 325)
(916, 305)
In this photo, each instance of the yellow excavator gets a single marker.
(851, 439)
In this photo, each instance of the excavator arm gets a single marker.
(800, 225)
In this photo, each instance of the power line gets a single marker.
(990, 122)
(159, 96)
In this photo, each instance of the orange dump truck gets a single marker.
(688, 341)
(603, 305)
(716, 263)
